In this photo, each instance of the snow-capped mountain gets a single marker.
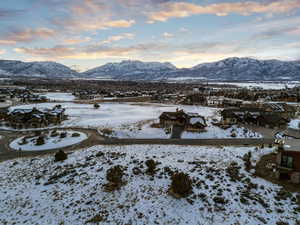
(132, 70)
(40, 69)
(227, 69)
(4, 73)
(248, 69)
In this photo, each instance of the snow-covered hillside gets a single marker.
(40, 69)
(41, 191)
(4, 73)
(249, 69)
(131, 70)
(227, 69)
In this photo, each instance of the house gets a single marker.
(288, 165)
(271, 116)
(215, 101)
(178, 118)
(196, 98)
(195, 122)
(271, 121)
(35, 118)
(188, 121)
(284, 110)
(241, 115)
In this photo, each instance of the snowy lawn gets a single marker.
(51, 141)
(59, 96)
(211, 131)
(40, 191)
(216, 132)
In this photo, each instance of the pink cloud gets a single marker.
(184, 9)
(27, 35)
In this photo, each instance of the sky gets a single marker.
(84, 34)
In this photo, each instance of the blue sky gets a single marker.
(89, 33)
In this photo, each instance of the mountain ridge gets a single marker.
(36, 69)
(233, 68)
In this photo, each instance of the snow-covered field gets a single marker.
(294, 124)
(216, 132)
(59, 96)
(40, 191)
(50, 142)
(263, 85)
(124, 119)
(146, 131)
(115, 114)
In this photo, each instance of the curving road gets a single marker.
(95, 139)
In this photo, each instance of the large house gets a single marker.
(268, 115)
(288, 164)
(188, 121)
(282, 109)
(35, 118)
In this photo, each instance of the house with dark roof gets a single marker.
(35, 118)
(282, 109)
(271, 116)
(188, 121)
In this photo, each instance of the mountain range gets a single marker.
(35, 69)
(227, 69)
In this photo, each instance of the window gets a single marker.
(287, 161)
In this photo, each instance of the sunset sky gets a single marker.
(89, 33)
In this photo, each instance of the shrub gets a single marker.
(54, 133)
(106, 131)
(115, 174)
(24, 141)
(220, 200)
(181, 185)
(63, 135)
(37, 133)
(60, 156)
(247, 160)
(151, 165)
(40, 140)
(233, 170)
(233, 134)
(96, 106)
(75, 135)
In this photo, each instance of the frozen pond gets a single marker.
(59, 96)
